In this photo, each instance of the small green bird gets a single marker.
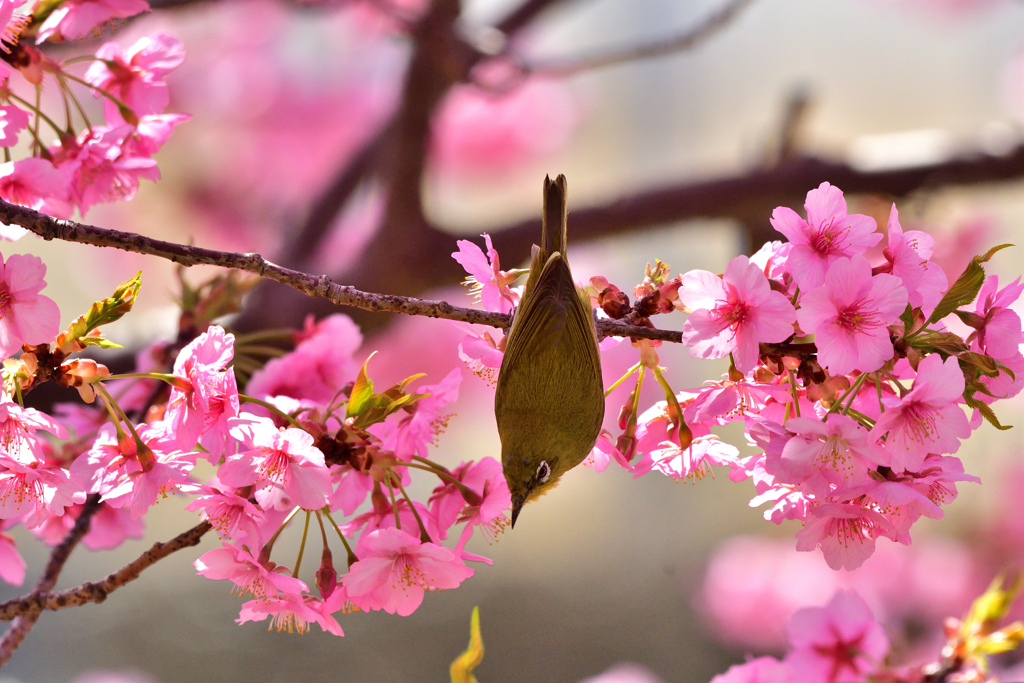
(549, 402)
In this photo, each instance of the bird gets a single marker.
(549, 398)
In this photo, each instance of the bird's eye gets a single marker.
(543, 472)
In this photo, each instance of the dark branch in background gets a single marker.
(561, 68)
(299, 250)
(311, 285)
(405, 242)
(751, 197)
(21, 625)
(38, 600)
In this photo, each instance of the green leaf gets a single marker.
(100, 342)
(966, 287)
(932, 341)
(462, 668)
(987, 413)
(987, 365)
(908, 319)
(101, 313)
(993, 604)
(362, 391)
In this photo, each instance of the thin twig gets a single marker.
(50, 228)
(35, 602)
(23, 623)
(561, 68)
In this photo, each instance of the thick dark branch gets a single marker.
(37, 601)
(659, 48)
(311, 285)
(22, 624)
(751, 197)
(302, 247)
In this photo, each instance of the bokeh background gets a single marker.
(287, 100)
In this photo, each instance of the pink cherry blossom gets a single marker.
(382, 516)
(12, 121)
(773, 258)
(908, 253)
(26, 317)
(732, 314)
(845, 533)
(395, 570)
(409, 432)
(837, 643)
(480, 351)
(33, 182)
(104, 168)
(116, 472)
(151, 132)
(850, 316)
(285, 460)
(760, 670)
(233, 517)
(12, 564)
(108, 529)
(351, 491)
(199, 412)
(604, 452)
(476, 131)
(827, 235)
(135, 76)
(317, 369)
(294, 613)
(902, 504)
(11, 24)
(17, 429)
(35, 490)
(75, 19)
(260, 579)
(488, 284)
(694, 461)
(835, 449)
(998, 332)
(448, 506)
(927, 420)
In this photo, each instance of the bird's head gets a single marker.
(529, 478)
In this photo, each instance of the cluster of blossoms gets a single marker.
(99, 163)
(842, 641)
(852, 373)
(312, 439)
(851, 377)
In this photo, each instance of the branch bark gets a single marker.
(31, 605)
(752, 196)
(311, 285)
(561, 68)
(22, 624)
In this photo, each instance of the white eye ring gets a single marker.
(543, 472)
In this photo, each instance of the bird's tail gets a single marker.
(553, 233)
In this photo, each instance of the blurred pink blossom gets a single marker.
(476, 131)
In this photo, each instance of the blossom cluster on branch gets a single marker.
(851, 376)
(75, 162)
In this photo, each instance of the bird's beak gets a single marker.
(517, 505)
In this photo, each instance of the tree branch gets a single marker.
(523, 16)
(560, 68)
(35, 602)
(752, 196)
(50, 228)
(309, 235)
(23, 623)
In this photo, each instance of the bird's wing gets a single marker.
(541, 318)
